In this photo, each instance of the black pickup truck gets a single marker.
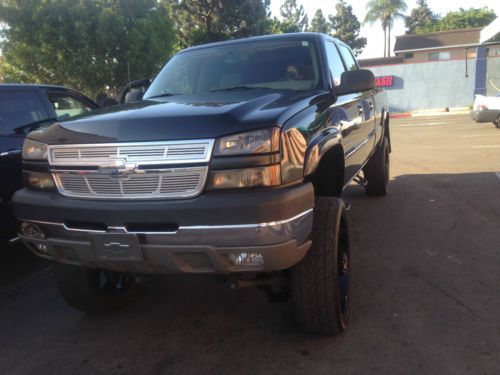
(233, 163)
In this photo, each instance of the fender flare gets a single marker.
(385, 126)
(319, 146)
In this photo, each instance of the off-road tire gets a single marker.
(377, 171)
(321, 305)
(82, 288)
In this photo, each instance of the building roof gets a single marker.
(380, 61)
(439, 39)
(491, 33)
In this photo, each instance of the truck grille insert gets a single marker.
(171, 183)
(172, 152)
(170, 169)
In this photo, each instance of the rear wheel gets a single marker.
(320, 283)
(497, 122)
(94, 291)
(377, 171)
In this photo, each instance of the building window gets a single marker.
(439, 56)
(493, 51)
(409, 55)
(471, 55)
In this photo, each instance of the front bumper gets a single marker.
(202, 232)
(485, 115)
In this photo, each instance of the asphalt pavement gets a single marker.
(426, 287)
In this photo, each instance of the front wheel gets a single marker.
(320, 283)
(94, 291)
(497, 122)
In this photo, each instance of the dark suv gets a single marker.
(24, 108)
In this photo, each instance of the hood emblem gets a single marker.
(118, 168)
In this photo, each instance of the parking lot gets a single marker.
(426, 287)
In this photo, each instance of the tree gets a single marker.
(385, 11)
(88, 45)
(277, 26)
(346, 26)
(319, 23)
(463, 19)
(205, 21)
(294, 14)
(420, 18)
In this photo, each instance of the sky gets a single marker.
(374, 33)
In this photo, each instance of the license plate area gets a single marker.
(117, 247)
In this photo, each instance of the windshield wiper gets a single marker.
(241, 88)
(164, 95)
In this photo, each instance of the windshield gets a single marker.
(274, 64)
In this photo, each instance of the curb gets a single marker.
(430, 113)
(400, 115)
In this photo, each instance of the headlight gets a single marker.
(33, 150)
(245, 178)
(38, 181)
(254, 142)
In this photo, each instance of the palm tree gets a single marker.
(385, 11)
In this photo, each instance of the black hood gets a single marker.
(179, 117)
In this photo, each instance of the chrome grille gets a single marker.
(171, 183)
(172, 152)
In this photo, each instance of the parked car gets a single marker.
(24, 108)
(486, 109)
(233, 163)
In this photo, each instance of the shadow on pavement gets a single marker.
(425, 288)
(18, 263)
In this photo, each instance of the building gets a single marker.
(438, 46)
(440, 70)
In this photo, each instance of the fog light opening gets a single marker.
(246, 259)
(32, 230)
(42, 248)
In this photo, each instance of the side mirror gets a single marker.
(355, 81)
(134, 91)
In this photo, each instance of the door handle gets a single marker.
(10, 152)
(371, 106)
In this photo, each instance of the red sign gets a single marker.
(384, 81)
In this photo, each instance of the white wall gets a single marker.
(429, 85)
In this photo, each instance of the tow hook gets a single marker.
(347, 205)
(360, 180)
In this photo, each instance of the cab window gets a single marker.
(350, 61)
(67, 106)
(334, 62)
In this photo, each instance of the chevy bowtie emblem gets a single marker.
(118, 168)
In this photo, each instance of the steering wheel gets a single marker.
(291, 77)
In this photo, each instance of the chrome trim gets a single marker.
(209, 144)
(361, 144)
(192, 227)
(74, 229)
(255, 226)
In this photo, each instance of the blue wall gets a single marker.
(429, 85)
